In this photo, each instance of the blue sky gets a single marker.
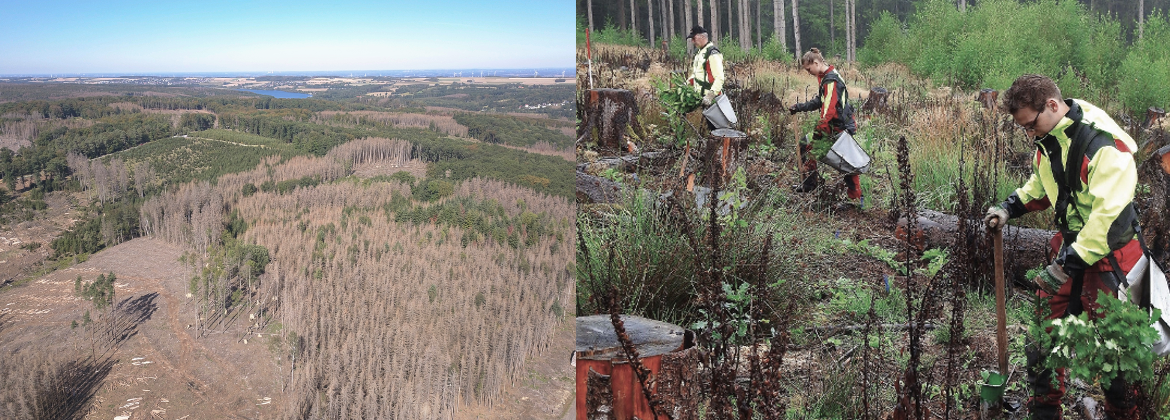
(41, 36)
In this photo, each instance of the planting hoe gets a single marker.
(1000, 311)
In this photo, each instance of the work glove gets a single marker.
(708, 98)
(1071, 263)
(1052, 278)
(996, 217)
(792, 110)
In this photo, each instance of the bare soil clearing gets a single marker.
(160, 370)
(15, 262)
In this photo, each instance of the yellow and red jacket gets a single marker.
(830, 102)
(707, 70)
(1099, 216)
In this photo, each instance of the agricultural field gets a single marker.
(810, 305)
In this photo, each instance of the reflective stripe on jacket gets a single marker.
(1100, 214)
(828, 101)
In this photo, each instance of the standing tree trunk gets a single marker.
(850, 34)
(667, 19)
(622, 24)
(688, 23)
(796, 29)
(745, 30)
(714, 29)
(962, 5)
(1141, 18)
(759, 33)
(589, 11)
(650, 14)
(699, 14)
(633, 17)
(670, 18)
(853, 19)
(779, 24)
(735, 25)
(832, 24)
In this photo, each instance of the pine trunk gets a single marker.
(745, 29)
(633, 17)
(650, 14)
(780, 24)
(713, 33)
(832, 24)
(622, 23)
(589, 11)
(687, 16)
(1141, 18)
(699, 14)
(759, 33)
(796, 28)
(670, 18)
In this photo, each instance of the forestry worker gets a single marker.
(1084, 168)
(707, 66)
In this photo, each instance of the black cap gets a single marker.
(696, 30)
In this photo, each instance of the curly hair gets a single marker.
(1031, 91)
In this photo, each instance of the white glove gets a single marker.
(996, 217)
(708, 98)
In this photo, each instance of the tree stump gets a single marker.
(988, 97)
(610, 111)
(1163, 158)
(724, 152)
(877, 101)
(1153, 114)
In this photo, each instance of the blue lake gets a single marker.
(278, 93)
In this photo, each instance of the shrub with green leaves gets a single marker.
(1100, 349)
(678, 98)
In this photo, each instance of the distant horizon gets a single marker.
(152, 37)
(440, 72)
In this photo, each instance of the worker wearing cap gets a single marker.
(707, 66)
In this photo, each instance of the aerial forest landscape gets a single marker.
(781, 298)
(210, 241)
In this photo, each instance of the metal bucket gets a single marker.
(847, 156)
(720, 113)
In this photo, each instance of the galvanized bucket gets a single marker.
(720, 113)
(847, 156)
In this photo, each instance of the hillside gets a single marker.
(282, 258)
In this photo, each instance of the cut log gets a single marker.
(610, 112)
(594, 189)
(877, 101)
(1024, 248)
(987, 97)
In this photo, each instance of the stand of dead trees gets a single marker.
(381, 318)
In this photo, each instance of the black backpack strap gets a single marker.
(1116, 277)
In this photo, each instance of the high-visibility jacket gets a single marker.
(1100, 213)
(830, 101)
(707, 70)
